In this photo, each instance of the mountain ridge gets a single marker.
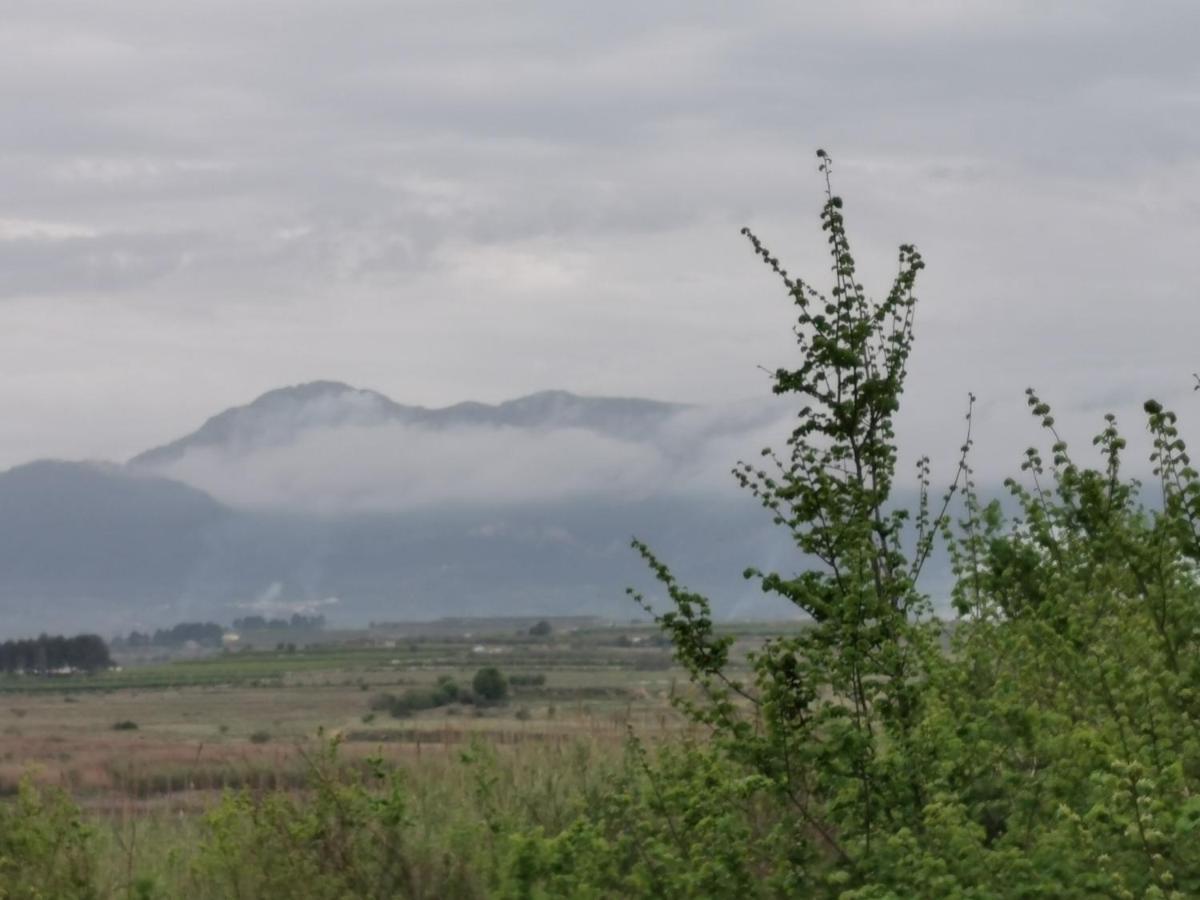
(280, 415)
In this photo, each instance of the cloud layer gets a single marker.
(450, 200)
(386, 468)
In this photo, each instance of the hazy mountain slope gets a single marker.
(282, 416)
(76, 538)
(92, 547)
(523, 507)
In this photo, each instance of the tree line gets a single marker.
(297, 621)
(209, 634)
(206, 634)
(49, 653)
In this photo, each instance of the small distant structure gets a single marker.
(230, 639)
(489, 651)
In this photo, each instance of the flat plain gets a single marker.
(170, 733)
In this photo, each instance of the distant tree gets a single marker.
(203, 633)
(85, 652)
(541, 629)
(490, 685)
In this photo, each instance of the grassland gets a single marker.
(196, 726)
(147, 749)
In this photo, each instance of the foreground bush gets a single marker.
(46, 851)
(1055, 750)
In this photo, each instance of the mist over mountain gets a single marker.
(283, 416)
(324, 496)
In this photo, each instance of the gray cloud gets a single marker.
(451, 200)
(363, 467)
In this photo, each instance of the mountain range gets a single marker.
(327, 497)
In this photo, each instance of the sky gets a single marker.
(448, 200)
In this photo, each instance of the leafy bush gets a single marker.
(125, 725)
(45, 848)
(1053, 752)
(260, 737)
(490, 685)
(445, 692)
(354, 833)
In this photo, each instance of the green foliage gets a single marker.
(1055, 750)
(346, 840)
(445, 692)
(490, 685)
(685, 823)
(45, 849)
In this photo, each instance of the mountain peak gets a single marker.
(280, 416)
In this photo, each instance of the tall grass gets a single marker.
(331, 821)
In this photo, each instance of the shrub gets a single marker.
(260, 737)
(445, 692)
(351, 835)
(125, 725)
(45, 848)
(447, 688)
(1053, 752)
(490, 685)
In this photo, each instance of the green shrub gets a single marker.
(1053, 752)
(352, 836)
(413, 700)
(125, 725)
(46, 851)
(490, 685)
(260, 737)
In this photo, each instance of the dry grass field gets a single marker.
(170, 735)
(149, 750)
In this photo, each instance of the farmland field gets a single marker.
(146, 751)
(167, 735)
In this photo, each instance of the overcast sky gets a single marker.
(443, 200)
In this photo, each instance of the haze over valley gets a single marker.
(327, 498)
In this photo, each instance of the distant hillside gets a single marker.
(519, 508)
(77, 536)
(281, 416)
